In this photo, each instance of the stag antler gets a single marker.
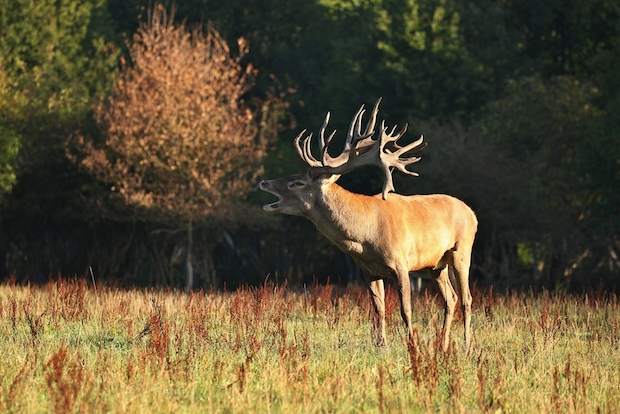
(362, 149)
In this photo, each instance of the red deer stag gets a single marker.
(387, 235)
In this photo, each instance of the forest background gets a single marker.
(518, 100)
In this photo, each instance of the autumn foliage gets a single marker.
(180, 141)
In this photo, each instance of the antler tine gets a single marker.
(392, 145)
(358, 127)
(370, 126)
(330, 162)
(304, 151)
(326, 159)
(308, 151)
(414, 147)
(366, 141)
(322, 145)
(395, 156)
(362, 141)
(384, 139)
(355, 124)
(300, 151)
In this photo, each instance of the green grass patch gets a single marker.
(67, 348)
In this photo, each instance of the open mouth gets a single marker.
(272, 206)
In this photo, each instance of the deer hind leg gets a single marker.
(450, 297)
(461, 261)
(377, 293)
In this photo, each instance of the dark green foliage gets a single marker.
(9, 145)
(518, 99)
(527, 169)
(54, 59)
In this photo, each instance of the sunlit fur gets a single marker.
(389, 238)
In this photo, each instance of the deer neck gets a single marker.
(343, 217)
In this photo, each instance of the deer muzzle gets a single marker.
(265, 186)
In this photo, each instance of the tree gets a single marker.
(181, 148)
(56, 58)
(552, 130)
(560, 37)
(10, 139)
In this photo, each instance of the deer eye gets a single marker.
(295, 184)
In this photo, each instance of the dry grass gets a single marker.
(67, 348)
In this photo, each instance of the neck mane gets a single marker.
(343, 216)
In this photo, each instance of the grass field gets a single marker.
(66, 347)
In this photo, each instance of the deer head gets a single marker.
(360, 149)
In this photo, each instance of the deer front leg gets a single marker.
(404, 293)
(450, 297)
(377, 293)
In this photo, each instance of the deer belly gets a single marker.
(351, 247)
(365, 258)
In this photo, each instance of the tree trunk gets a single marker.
(189, 280)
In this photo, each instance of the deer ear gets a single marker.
(329, 178)
(323, 176)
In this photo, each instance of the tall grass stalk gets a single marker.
(65, 347)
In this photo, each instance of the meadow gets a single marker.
(70, 347)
